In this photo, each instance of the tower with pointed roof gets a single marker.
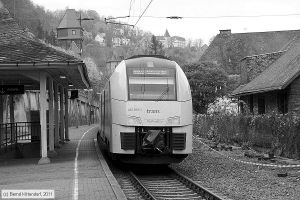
(69, 31)
(167, 34)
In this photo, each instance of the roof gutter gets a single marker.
(48, 65)
(257, 91)
(36, 65)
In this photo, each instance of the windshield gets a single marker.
(158, 84)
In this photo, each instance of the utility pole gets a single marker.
(14, 9)
(81, 29)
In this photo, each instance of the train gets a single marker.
(146, 112)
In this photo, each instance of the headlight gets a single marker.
(132, 120)
(173, 120)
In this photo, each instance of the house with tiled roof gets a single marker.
(227, 48)
(69, 29)
(174, 41)
(271, 82)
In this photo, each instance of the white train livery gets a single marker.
(146, 112)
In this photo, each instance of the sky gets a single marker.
(202, 19)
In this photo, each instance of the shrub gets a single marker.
(279, 133)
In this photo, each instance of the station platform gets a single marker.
(82, 175)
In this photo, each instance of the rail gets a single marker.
(141, 188)
(170, 185)
(13, 133)
(203, 191)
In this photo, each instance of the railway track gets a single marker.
(160, 182)
(166, 185)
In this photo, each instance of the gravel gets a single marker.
(236, 180)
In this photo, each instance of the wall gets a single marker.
(82, 113)
(22, 106)
(29, 101)
(62, 33)
(294, 96)
(270, 102)
(66, 44)
(271, 99)
(252, 66)
(68, 34)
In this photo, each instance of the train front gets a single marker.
(151, 112)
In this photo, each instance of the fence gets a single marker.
(12, 133)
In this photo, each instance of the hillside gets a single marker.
(42, 23)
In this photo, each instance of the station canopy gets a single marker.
(23, 57)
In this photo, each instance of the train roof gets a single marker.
(151, 56)
(144, 60)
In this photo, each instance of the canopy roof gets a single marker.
(21, 53)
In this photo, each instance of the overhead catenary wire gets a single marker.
(220, 16)
(188, 17)
(205, 17)
(143, 13)
(107, 20)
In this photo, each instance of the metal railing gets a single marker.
(12, 133)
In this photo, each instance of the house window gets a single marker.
(73, 32)
(251, 103)
(242, 109)
(261, 105)
(282, 102)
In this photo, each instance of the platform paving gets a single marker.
(95, 181)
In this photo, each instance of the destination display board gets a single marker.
(158, 72)
(11, 89)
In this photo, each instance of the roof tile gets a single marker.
(278, 75)
(70, 19)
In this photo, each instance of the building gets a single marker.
(227, 48)
(178, 41)
(125, 41)
(165, 39)
(69, 30)
(100, 38)
(174, 41)
(118, 41)
(271, 82)
(120, 38)
(70, 36)
(27, 64)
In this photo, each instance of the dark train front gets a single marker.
(146, 112)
